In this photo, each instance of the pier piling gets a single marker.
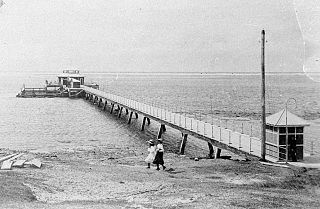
(211, 151)
(161, 130)
(218, 152)
(183, 143)
(120, 111)
(143, 123)
(148, 120)
(112, 106)
(130, 117)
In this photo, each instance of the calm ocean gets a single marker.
(51, 124)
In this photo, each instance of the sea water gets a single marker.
(50, 124)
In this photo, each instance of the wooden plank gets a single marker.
(35, 163)
(15, 157)
(19, 163)
(6, 165)
(274, 164)
(7, 157)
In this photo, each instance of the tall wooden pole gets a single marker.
(263, 100)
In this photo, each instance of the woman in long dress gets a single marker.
(152, 153)
(159, 155)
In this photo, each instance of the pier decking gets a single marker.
(40, 92)
(220, 137)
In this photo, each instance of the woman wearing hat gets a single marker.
(159, 155)
(152, 153)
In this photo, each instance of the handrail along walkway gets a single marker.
(218, 136)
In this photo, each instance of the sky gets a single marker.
(152, 35)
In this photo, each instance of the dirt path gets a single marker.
(83, 180)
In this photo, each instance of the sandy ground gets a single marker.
(93, 179)
(114, 175)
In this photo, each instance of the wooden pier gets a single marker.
(216, 136)
(40, 92)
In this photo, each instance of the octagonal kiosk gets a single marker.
(283, 127)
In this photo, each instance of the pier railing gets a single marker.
(233, 139)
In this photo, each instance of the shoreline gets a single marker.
(92, 179)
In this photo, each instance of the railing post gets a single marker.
(242, 127)
(197, 122)
(180, 117)
(165, 113)
(250, 139)
(211, 131)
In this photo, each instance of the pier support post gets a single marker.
(143, 123)
(148, 120)
(218, 152)
(211, 151)
(130, 117)
(105, 105)
(183, 143)
(112, 106)
(120, 111)
(100, 100)
(136, 114)
(127, 111)
(161, 130)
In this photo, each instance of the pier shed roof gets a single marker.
(70, 73)
(67, 75)
(279, 119)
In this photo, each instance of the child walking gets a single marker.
(152, 153)
(159, 155)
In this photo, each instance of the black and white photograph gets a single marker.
(144, 104)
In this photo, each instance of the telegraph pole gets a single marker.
(263, 100)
